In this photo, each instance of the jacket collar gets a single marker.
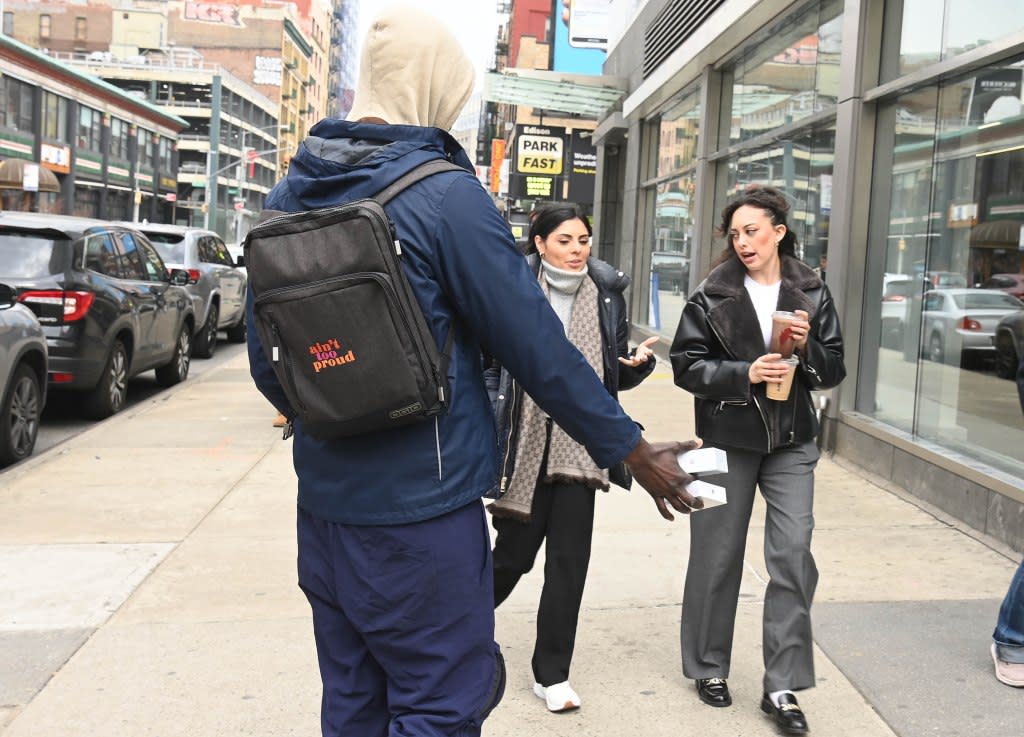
(732, 313)
(606, 276)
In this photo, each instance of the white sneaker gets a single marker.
(559, 697)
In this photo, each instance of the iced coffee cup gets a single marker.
(782, 334)
(780, 392)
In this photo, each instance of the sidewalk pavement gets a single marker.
(147, 587)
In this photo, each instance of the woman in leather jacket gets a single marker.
(721, 355)
(547, 481)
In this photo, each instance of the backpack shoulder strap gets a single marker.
(434, 166)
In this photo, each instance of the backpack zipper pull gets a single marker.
(274, 354)
(398, 247)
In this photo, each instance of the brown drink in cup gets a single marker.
(782, 335)
(780, 392)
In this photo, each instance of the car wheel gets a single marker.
(108, 397)
(206, 340)
(20, 416)
(1006, 357)
(176, 370)
(935, 351)
(236, 333)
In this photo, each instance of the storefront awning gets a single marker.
(997, 233)
(12, 176)
(586, 95)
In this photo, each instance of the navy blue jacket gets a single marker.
(467, 275)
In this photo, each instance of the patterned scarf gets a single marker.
(568, 461)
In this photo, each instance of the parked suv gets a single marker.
(22, 378)
(216, 284)
(108, 305)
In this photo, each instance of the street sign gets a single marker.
(30, 177)
(171, 197)
(240, 205)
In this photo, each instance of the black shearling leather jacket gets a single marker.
(719, 337)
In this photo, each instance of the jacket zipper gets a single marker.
(508, 440)
(437, 444)
(760, 410)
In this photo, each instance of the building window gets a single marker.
(55, 116)
(145, 149)
(16, 110)
(947, 217)
(118, 138)
(44, 27)
(930, 31)
(166, 153)
(81, 29)
(90, 127)
(8, 23)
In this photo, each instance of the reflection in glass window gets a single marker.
(953, 219)
(793, 72)
(802, 169)
(934, 30)
(677, 135)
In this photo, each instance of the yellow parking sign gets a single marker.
(539, 154)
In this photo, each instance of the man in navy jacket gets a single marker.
(394, 554)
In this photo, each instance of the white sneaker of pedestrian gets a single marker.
(1012, 674)
(559, 697)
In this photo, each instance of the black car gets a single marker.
(109, 306)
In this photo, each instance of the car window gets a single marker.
(901, 288)
(223, 256)
(997, 282)
(991, 301)
(207, 250)
(170, 246)
(28, 255)
(132, 263)
(155, 269)
(101, 255)
(933, 302)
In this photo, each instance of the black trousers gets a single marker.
(563, 515)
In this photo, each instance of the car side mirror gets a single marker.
(179, 277)
(7, 298)
(240, 261)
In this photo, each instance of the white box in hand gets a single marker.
(704, 461)
(711, 494)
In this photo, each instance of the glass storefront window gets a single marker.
(953, 227)
(789, 73)
(801, 168)
(671, 238)
(678, 133)
(933, 31)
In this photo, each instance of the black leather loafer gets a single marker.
(788, 715)
(713, 691)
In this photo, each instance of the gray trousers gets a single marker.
(717, 541)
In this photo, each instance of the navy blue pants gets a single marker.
(403, 617)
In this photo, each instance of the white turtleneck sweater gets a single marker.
(563, 285)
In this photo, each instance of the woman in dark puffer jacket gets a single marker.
(547, 481)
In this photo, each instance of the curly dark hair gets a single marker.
(774, 204)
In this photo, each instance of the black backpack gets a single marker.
(338, 319)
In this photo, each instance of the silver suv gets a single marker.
(216, 284)
(22, 378)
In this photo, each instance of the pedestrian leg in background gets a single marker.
(404, 624)
(1008, 638)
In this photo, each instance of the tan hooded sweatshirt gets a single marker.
(413, 71)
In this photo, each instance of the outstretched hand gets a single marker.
(654, 466)
(641, 355)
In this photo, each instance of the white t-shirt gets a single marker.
(765, 298)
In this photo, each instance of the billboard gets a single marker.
(580, 43)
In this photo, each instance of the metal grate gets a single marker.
(671, 27)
